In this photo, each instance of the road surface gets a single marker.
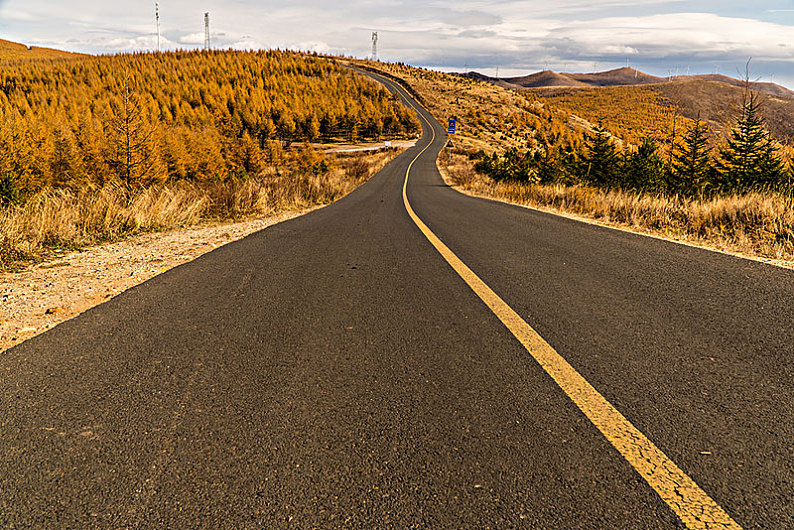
(339, 371)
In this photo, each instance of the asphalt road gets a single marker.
(334, 371)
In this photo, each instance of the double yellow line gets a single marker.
(692, 505)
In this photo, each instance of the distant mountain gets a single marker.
(610, 97)
(546, 78)
(766, 88)
(619, 77)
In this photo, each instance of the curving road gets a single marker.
(335, 371)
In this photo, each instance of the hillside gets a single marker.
(16, 51)
(625, 108)
(628, 112)
(718, 102)
(765, 88)
(632, 104)
(549, 78)
(490, 118)
(151, 118)
(546, 78)
(618, 77)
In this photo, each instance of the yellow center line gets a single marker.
(692, 505)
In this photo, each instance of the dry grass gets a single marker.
(757, 225)
(67, 219)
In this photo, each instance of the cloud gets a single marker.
(15, 15)
(192, 39)
(469, 19)
(672, 35)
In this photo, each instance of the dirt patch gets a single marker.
(361, 148)
(42, 296)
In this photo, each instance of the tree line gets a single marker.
(144, 119)
(749, 159)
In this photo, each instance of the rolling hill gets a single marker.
(549, 78)
(610, 98)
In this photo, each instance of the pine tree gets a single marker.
(600, 161)
(749, 157)
(692, 164)
(512, 165)
(550, 164)
(644, 168)
(771, 171)
(9, 190)
(132, 155)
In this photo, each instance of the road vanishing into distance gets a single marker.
(411, 357)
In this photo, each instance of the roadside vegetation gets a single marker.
(749, 159)
(733, 191)
(95, 148)
(756, 224)
(63, 218)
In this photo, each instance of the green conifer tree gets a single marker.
(749, 158)
(772, 171)
(600, 160)
(692, 164)
(644, 169)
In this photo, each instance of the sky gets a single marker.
(517, 37)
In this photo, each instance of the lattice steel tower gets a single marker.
(207, 31)
(374, 46)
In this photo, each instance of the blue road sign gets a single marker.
(453, 124)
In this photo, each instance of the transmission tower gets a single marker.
(157, 16)
(374, 45)
(207, 43)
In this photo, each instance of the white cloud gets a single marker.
(14, 15)
(192, 38)
(700, 34)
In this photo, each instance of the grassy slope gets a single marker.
(66, 219)
(718, 102)
(489, 117)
